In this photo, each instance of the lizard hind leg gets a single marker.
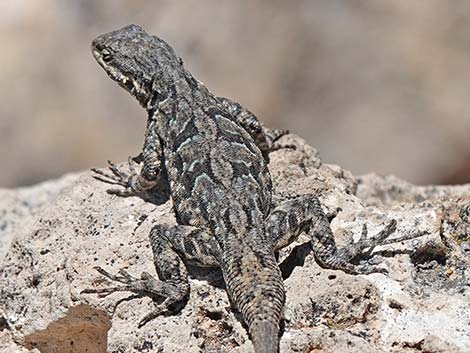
(170, 245)
(145, 285)
(304, 213)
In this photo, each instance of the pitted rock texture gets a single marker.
(420, 306)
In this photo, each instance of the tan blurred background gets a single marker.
(375, 85)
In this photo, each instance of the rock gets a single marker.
(18, 207)
(63, 229)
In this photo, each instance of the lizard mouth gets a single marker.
(112, 72)
(135, 87)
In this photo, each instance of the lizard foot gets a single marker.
(275, 134)
(118, 177)
(146, 285)
(271, 140)
(353, 249)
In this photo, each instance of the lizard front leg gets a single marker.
(304, 213)
(136, 183)
(172, 246)
(264, 138)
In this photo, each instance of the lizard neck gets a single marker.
(178, 89)
(181, 95)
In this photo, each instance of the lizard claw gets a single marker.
(159, 310)
(172, 296)
(118, 177)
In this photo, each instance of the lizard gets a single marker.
(215, 153)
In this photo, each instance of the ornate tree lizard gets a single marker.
(213, 150)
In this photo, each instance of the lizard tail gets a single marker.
(264, 335)
(254, 282)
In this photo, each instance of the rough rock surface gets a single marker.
(19, 206)
(64, 228)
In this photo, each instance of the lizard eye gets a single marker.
(106, 55)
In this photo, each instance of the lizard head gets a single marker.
(141, 63)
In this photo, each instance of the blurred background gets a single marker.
(378, 86)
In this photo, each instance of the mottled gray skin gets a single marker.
(212, 149)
